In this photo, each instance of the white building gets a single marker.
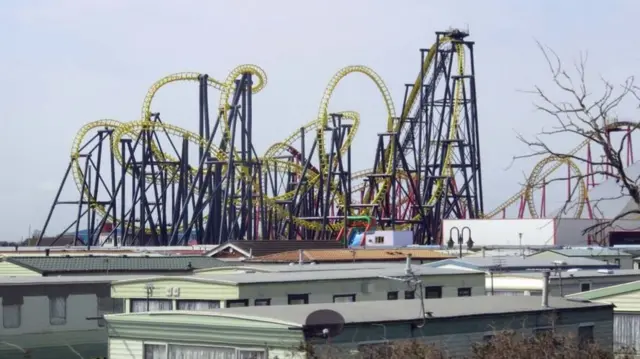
(560, 283)
(540, 233)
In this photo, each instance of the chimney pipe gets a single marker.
(300, 257)
(407, 268)
(250, 253)
(545, 289)
(483, 252)
(46, 252)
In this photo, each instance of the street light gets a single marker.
(460, 234)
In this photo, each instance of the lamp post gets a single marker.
(460, 235)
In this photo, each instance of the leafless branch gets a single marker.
(581, 115)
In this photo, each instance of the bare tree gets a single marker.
(36, 233)
(579, 115)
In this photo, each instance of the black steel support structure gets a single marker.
(426, 169)
(433, 171)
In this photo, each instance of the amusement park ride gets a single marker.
(136, 178)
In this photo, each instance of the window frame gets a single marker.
(408, 296)
(4, 324)
(167, 344)
(145, 300)
(100, 309)
(236, 301)
(461, 289)
(593, 330)
(178, 301)
(303, 297)
(393, 292)
(437, 288)
(266, 300)
(352, 296)
(145, 343)
(583, 283)
(66, 311)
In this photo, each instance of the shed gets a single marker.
(626, 322)
(454, 324)
(208, 291)
(610, 255)
(97, 265)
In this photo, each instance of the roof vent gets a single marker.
(605, 271)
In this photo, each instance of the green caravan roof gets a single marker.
(59, 264)
(607, 291)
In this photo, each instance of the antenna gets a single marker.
(324, 323)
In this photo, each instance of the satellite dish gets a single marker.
(324, 323)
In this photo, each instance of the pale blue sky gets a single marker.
(65, 63)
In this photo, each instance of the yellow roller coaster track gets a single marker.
(319, 126)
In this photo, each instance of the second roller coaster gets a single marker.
(136, 178)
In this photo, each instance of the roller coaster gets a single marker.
(139, 178)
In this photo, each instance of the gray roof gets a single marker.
(591, 252)
(278, 277)
(518, 263)
(585, 274)
(378, 311)
(64, 280)
(82, 264)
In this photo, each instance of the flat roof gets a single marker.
(519, 263)
(386, 311)
(306, 276)
(590, 273)
(590, 252)
(63, 280)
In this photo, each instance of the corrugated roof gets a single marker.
(68, 279)
(349, 255)
(378, 311)
(607, 291)
(591, 252)
(118, 264)
(266, 247)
